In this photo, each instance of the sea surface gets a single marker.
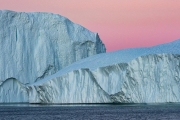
(169, 111)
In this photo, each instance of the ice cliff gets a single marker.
(151, 79)
(35, 45)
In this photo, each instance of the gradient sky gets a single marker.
(120, 23)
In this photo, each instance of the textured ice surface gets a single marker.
(151, 79)
(13, 91)
(35, 45)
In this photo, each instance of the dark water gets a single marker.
(90, 111)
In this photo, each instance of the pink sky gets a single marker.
(120, 23)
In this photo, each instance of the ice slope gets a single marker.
(153, 78)
(121, 56)
(143, 75)
(35, 45)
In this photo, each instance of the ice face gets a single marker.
(35, 45)
(151, 79)
(78, 86)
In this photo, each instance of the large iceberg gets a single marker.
(45, 58)
(35, 45)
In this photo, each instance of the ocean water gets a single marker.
(90, 112)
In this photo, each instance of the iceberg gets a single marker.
(46, 58)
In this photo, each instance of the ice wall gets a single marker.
(151, 79)
(35, 45)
